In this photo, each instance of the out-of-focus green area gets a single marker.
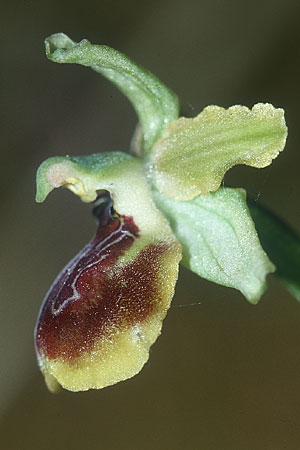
(224, 375)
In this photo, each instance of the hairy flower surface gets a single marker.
(105, 309)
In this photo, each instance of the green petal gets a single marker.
(155, 105)
(282, 245)
(194, 154)
(219, 239)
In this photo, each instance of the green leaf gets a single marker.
(155, 105)
(194, 154)
(219, 239)
(282, 245)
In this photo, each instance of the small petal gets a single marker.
(194, 154)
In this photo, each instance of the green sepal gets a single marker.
(155, 104)
(194, 154)
(219, 240)
(282, 245)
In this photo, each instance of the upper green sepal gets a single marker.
(194, 154)
(219, 240)
(155, 104)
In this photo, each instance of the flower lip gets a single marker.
(73, 299)
(106, 307)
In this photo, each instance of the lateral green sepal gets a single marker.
(155, 104)
(219, 239)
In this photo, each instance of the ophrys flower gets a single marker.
(162, 203)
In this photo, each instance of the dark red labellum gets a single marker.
(84, 297)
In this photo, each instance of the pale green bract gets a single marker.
(194, 154)
(219, 240)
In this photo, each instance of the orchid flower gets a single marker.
(160, 204)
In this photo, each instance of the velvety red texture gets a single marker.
(92, 295)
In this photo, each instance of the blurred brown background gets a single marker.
(224, 375)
